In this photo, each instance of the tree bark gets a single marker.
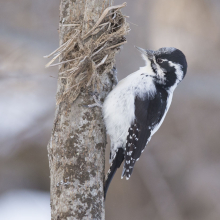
(76, 149)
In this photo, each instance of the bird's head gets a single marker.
(167, 64)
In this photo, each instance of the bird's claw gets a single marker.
(96, 98)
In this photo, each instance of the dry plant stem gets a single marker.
(76, 149)
(91, 43)
(103, 16)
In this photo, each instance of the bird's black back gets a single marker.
(148, 113)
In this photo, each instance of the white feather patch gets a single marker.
(118, 108)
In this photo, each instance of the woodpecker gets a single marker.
(135, 109)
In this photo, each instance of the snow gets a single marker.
(25, 205)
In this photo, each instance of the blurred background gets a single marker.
(178, 176)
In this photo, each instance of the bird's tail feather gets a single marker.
(116, 163)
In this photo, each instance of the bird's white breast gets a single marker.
(119, 108)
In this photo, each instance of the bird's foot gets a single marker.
(96, 98)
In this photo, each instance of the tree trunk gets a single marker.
(76, 149)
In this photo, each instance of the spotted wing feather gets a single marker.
(136, 142)
(132, 140)
(148, 114)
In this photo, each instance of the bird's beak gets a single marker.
(148, 53)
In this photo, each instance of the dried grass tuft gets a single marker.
(83, 58)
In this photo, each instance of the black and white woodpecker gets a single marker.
(135, 109)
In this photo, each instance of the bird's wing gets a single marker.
(148, 113)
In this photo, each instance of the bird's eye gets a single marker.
(159, 60)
